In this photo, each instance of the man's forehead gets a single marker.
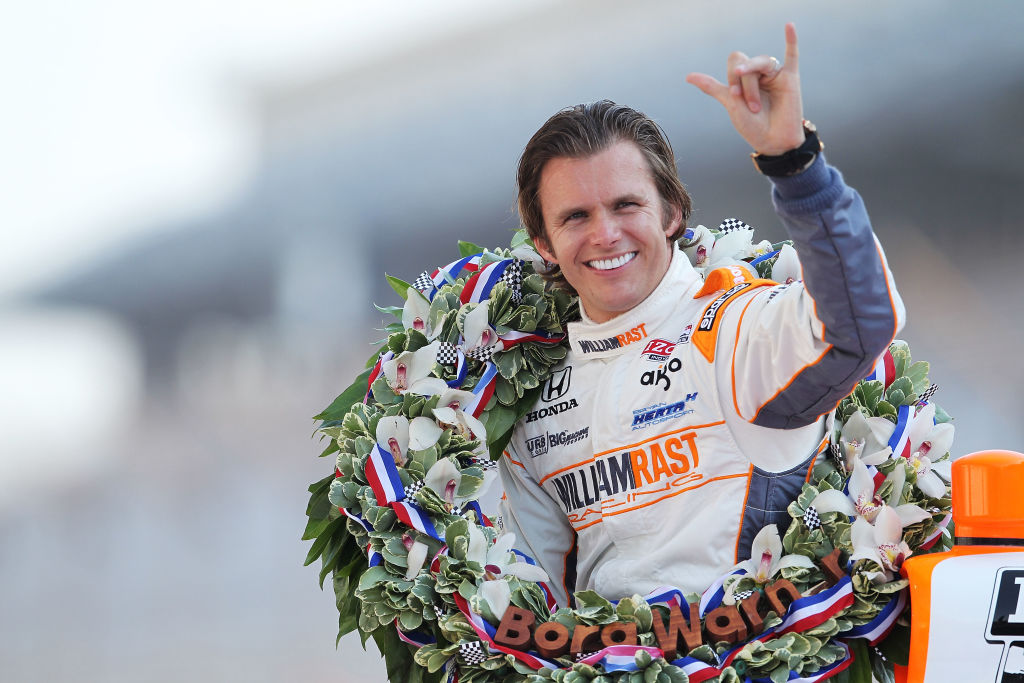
(620, 167)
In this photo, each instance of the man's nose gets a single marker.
(605, 229)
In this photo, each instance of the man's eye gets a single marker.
(576, 216)
(623, 205)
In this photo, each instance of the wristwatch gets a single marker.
(795, 160)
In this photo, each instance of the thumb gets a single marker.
(709, 86)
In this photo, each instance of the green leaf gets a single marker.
(468, 249)
(321, 542)
(342, 404)
(400, 286)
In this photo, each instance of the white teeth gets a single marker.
(608, 264)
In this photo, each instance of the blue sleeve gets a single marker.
(846, 275)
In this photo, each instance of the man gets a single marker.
(688, 412)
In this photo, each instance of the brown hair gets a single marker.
(582, 131)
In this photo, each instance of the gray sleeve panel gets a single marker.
(768, 499)
(846, 276)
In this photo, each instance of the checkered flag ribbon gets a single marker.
(481, 353)
(412, 489)
(583, 655)
(837, 457)
(484, 463)
(928, 393)
(733, 224)
(811, 518)
(742, 595)
(423, 282)
(472, 652)
(439, 611)
(512, 276)
(447, 354)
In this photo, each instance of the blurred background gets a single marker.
(199, 200)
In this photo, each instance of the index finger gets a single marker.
(792, 55)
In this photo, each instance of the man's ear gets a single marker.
(543, 248)
(677, 220)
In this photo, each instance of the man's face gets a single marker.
(605, 228)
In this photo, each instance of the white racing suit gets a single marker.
(673, 433)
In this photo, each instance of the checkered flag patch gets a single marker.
(413, 488)
(742, 595)
(472, 653)
(447, 354)
(928, 393)
(456, 510)
(481, 353)
(438, 610)
(423, 282)
(811, 518)
(732, 224)
(583, 655)
(513, 279)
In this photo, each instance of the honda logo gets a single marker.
(557, 385)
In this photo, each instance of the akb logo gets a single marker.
(660, 375)
(557, 385)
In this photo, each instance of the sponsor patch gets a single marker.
(661, 412)
(538, 445)
(661, 375)
(553, 409)
(658, 349)
(557, 385)
(684, 338)
(618, 341)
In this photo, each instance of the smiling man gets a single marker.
(689, 409)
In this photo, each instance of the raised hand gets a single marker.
(762, 97)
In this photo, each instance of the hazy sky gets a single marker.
(118, 114)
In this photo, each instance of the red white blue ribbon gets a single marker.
(486, 633)
(382, 476)
(930, 541)
(442, 275)
(483, 390)
(413, 515)
(387, 486)
(513, 337)
(884, 370)
(373, 557)
(620, 657)
(356, 518)
(414, 638)
(384, 357)
(878, 628)
(715, 593)
(479, 285)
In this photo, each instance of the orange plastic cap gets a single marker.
(987, 495)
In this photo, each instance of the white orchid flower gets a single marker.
(786, 268)
(865, 439)
(456, 399)
(700, 247)
(881, 542)
(477, 331)
(416, 313)
(462, 422)
(417, 556)
(766, 559)
(927, 439)
(445, 478)
(862, 501)
(393, 436)
(396, 435)
(497, 558)
(410, 371)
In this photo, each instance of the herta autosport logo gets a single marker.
(539, 445)
(553, 409)
(661, 412)
(668, 460)
(618, 341)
